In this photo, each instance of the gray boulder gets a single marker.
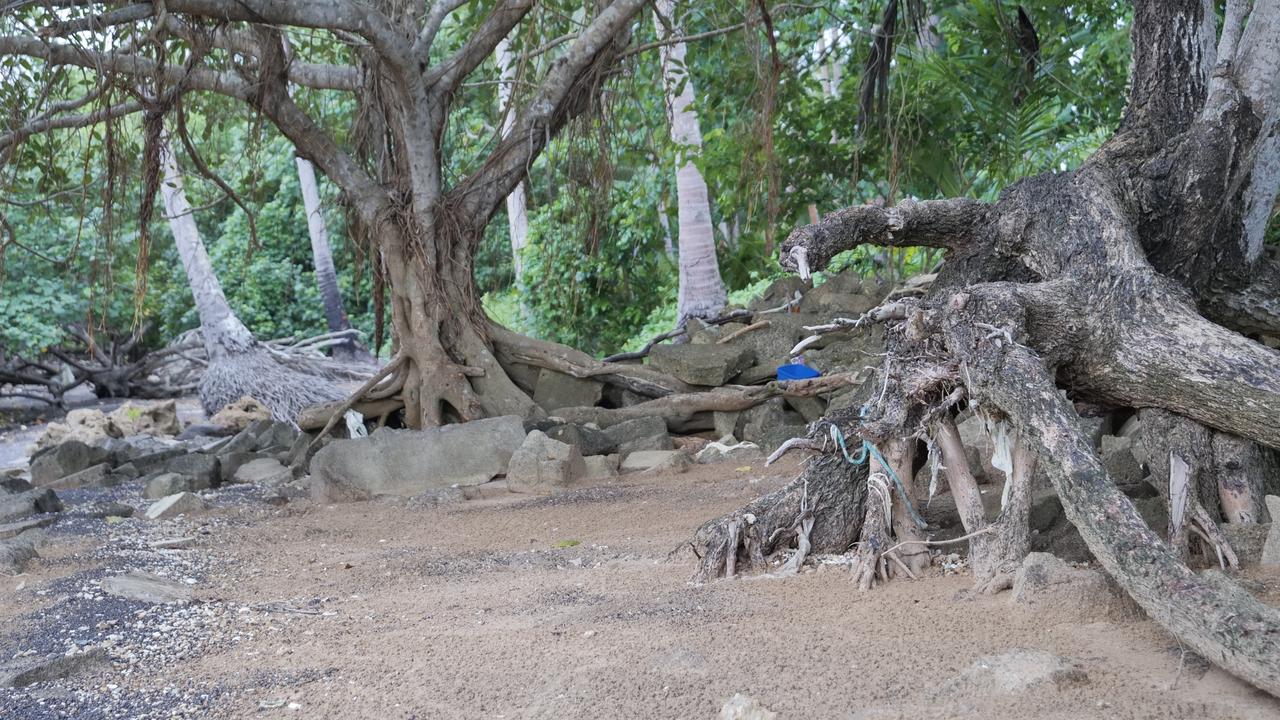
(1119, 460)
(21, 672)
(1247, 540)
(13, 485)
(166, 484)
(41, 500)
(230, 463)
(13, 529)
(413, 462)
(601, 466)
(1044, 580)
(16, 551)
(557, 390)
(65, 459)
(183, 503)
(727, 449)
(542, 465)
(264, 471)
(647, 433)
(146, 587)
(201, 467)
(93, 476)
(647, 460)
(701, 364)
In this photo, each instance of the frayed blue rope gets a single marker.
(869, 450)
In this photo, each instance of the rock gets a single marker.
(1014, 672)
(96, 476)
(150, 462)
(157, 418)
(183, 503)
(14, 486)
(741, 707)
(263, 471)
(726, 423)
(128, 449)
(712, 365)
(1247, 540)
(646, 459)
(411, 462)
(275, 435)
(197, 431)
(647, 433)
(772, 344)
(242, 442)
(676, 463)
(30, 670)
(167, 484)
(16, 551)
(779, 292)
(84, 425)
(241, 413)
(810, 408)
(1120, 462)
(146, 587)
(228, 464)
(200, 467)
(541, 465)
(557, 390)
(41, 500)
(693, 444)
(601, 466)
(65, 459)
(301, 452)
(13, 529)
(1271, 549)
(772, 438)
(1044, 580)
(107, 510)
(722, 450)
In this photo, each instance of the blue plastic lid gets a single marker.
(796, 371)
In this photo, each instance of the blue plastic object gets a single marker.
(796, 371)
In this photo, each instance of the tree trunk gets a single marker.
(701, 291)
(326, 276)
(517, 202)
(224, 334)
(238, 364)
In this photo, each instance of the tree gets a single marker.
(424, 229)
(1134, 281)
(326, 276)
(517, 201)
(701, 291)
(238, 364)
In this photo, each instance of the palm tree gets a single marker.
(702, 292)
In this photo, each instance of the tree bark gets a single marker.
(326, 275)
(517, 201)
(701, 292)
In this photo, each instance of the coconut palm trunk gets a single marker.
(701, 291)
(238, 364)
(517, 201)
(335, 314)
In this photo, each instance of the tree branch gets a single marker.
(565, 90)
(64, 122)
(446, 76)
(947, 224)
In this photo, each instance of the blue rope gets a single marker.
(870, 450)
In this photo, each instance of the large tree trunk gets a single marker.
(701, 291)
(335, 314)
(1120, 284)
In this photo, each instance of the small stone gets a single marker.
(1046, 581)
(742, 707)
(264, 471)
(589, 634)
(183, 503)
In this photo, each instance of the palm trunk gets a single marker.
(517, 202)
(223, 332)
(702, 292)
(326, 276)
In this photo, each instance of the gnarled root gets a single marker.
(824, 505)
